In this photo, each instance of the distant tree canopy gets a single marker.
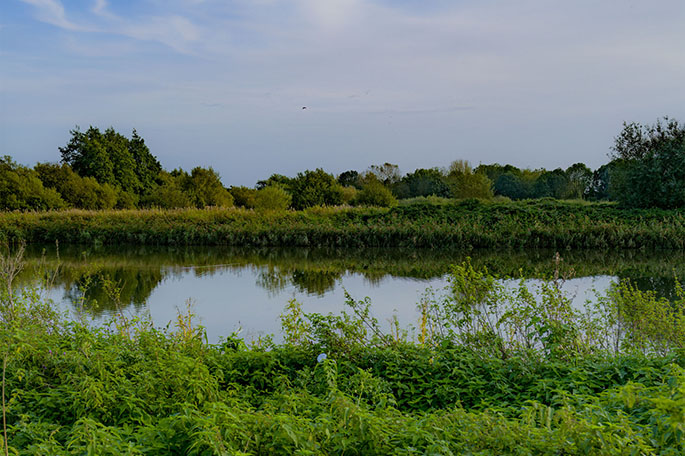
(103, 170)
(76, 191)
(21, 188)
(422, 182)
(111, 158)
(648, 169)
(464, 182)
(314, 188)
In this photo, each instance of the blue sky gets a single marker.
(222, 83)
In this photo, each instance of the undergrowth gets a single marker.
(488, 370)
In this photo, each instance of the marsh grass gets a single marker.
(465, 224)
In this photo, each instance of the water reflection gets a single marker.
(223, 275)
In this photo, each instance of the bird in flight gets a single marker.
(304, 107)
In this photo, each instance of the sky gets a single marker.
(417, 83)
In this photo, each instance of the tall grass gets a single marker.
(466, 224)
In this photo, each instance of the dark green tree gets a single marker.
(512, 186)
(314, 188)
(649, 165)
(551, 184)
(423, 182)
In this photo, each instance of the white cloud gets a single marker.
(52, 12)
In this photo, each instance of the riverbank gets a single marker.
(487, 370)
(465, 225)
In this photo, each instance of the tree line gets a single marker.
(105, 170)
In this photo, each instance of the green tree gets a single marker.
(649, 165)
(203, 186)
(512, 186)
(465, 183)
(243, 196)
(374, 193)
(350, 179)
(168, 193)
(111, 158)
(551, 184)
(147, 167)
(315, 188)
(579, 180)
(422, 182)
(273, 198)
(76, 191)
(387, 173)
(21, 188)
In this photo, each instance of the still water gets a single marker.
(239, 289)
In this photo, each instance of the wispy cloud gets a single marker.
(52, 12)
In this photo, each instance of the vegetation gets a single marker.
(106, 170)
(487, 370)
(465, 225)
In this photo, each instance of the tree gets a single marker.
(349, 179)
(465, 183)
(203, 186)
(76, 191)
(168, 194)
(111, 158)
(20, 188)
(243, 196)
(314, 188)
(273, 198)
(579, 180)
(551, 184)
(387, 173)
(374, 193)
(649, 165)
(512, 186)
(635, 141)
(423, 182)
(147, 167)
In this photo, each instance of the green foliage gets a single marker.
(314, 188)
(649, 165)
(21, 188)
(425, 223)
(204, 188)
(272, 198)
(168, 194)
(465, 183)
(374, 193)
(77, 191)
(128, 388)
(422, 182)
(112, 159)
(243, 196)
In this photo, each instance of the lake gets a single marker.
(233, 289)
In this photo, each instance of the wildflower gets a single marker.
(321, 357)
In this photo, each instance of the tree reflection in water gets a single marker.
(137, 271)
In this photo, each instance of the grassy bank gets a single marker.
(466, 224)
(488, 371)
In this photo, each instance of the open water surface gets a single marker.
(245, 289)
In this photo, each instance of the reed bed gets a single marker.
(466, 224)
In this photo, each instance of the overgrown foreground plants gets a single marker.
(491, 368)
